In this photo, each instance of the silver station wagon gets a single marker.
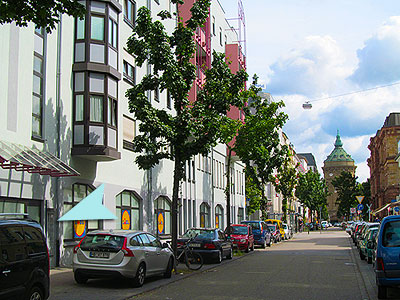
(121, 253)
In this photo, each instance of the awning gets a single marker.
(21, 158)
(90, 208)
(380, 208)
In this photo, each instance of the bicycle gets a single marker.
(193, 260)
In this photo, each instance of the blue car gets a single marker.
(387, 263)
(261, 233)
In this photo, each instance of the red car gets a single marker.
(241, 236)
(275, 233)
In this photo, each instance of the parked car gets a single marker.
(278, 223)
(363, 233)
(210, 243)
(261, 233)
(324, 224)
(24, 260)
(288, 231)
(275, 232)
(387, 264)
(367, 244)
(241, 236)
(121, 253)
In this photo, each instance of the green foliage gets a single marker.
(312, 191)
(254, 194)
(365, 190)
(347, 189)
(258, 142)
(44, 13)
(286, 184)
(196, 126)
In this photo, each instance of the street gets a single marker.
(309, 266)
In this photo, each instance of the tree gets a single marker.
(365, 190)
(347, 189)
(195, 127)
(286, 184)
(258, 142)
(44, 13)
(312, 192)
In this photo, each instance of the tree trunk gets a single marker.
(175, 195)
(263, 202)
(228, 189)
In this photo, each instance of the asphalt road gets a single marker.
(315, 266)
(309, 266)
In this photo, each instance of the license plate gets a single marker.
(99, 254)
(194, 245)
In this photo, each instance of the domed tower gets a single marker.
(336, 162)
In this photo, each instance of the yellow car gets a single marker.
(279, 224)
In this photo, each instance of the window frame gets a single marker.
(133, 12)
(133, 196)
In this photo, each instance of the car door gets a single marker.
(150, 254)
(225, 244)
(14, 272)
(390, 248)
(160, 257)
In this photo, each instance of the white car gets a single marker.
(324, 224)
(288, 231)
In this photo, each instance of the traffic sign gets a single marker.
(397, 209)
(353, 210)
(360, 206)
(360, 199)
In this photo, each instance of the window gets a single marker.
(129, 126)
(78, 229)
(97, 28)
(226, 40)
(37, 95)
(96, 108)
(34, 241)
(112, 112)
(80, 28)
(168, 100)
(162, 211)
(129, 11)
(204, 215)
(129, 72)
(157, 95)
(39, 31)
(213, 25)
(112, 32)
(240, 215)
(79, 104)
(12, 243)
(219, 217)
(220, 36)
(128, 211)
(154, 242)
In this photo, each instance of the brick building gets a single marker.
(384, 170)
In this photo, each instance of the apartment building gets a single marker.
(66, 129)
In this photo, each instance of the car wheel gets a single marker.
(170, 266)
(35, 294)
(382, 292)
(247, 248)
(270, 243)
(219, 257)
(252, 247)
(80, 278)
(140, 275)
(230, 255)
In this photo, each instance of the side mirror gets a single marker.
(165, 245)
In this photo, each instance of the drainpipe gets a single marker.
(58, 143)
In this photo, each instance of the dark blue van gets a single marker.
(387, 262)
(262, 235)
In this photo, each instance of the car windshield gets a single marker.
(242, 230)
(102, 241)
(199, 233)
(391, 234)
(271, 227)
(254, 225)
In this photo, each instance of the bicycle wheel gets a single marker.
(193, 260)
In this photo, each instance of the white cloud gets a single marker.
(379, 58)
(316, 67)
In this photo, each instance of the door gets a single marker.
(150, 254)
(225, 245)
(160, 256)
(13, 269)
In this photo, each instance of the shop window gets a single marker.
(78, 229)
(162, 212)
(204, 215)
(219, 217)
(128, 211)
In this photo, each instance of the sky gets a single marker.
(307, 50)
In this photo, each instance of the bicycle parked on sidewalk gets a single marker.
(193, 260)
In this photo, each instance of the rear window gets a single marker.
(391, 234)
(102, 241)
(201, 234)
(254, 225)
(35, 243)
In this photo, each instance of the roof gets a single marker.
(339, 154)
(309, 157)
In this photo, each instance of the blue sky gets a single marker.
(311, 49)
